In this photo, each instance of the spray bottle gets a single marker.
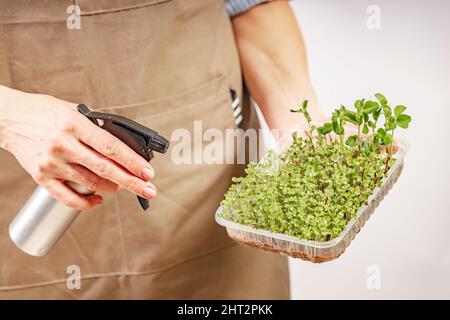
(43, 220)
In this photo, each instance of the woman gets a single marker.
(165, 64)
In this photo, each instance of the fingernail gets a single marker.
(149, 192)
(148, 173)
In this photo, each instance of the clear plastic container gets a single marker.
(311, 250)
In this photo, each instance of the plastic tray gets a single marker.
(311, 250)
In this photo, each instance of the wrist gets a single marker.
(10, 110)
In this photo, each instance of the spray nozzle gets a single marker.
(141, 139)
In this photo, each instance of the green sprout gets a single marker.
(320, 183)
(304, 110)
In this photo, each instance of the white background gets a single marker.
(408, 60)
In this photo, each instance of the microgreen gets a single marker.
(304, 109)
(320, 183)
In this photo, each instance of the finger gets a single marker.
(107, 169)
(70, 198)
(113, 148)
(86, 178)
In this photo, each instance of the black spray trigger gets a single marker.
(141, 139)
(145, 204)
(131, 139)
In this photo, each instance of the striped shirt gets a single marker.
(235, 7)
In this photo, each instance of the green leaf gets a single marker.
(403, 121)
(366, 117)
(359, 119)
(387, 111)
(377, 139)
(307, 116)
(398, 110)
(390, 124)
(371, 124)
(337, 128)
(381, 98)
(304, 105)
(350, 116)
(370, 107)
(387, 139)
(376, 114)
(351, 141)
(381, 132)
(365, 129)
(325, 129)
(303, 109)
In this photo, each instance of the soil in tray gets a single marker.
(298, 255)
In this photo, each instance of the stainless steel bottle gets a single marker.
(43, 220)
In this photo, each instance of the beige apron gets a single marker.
(166, 64)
